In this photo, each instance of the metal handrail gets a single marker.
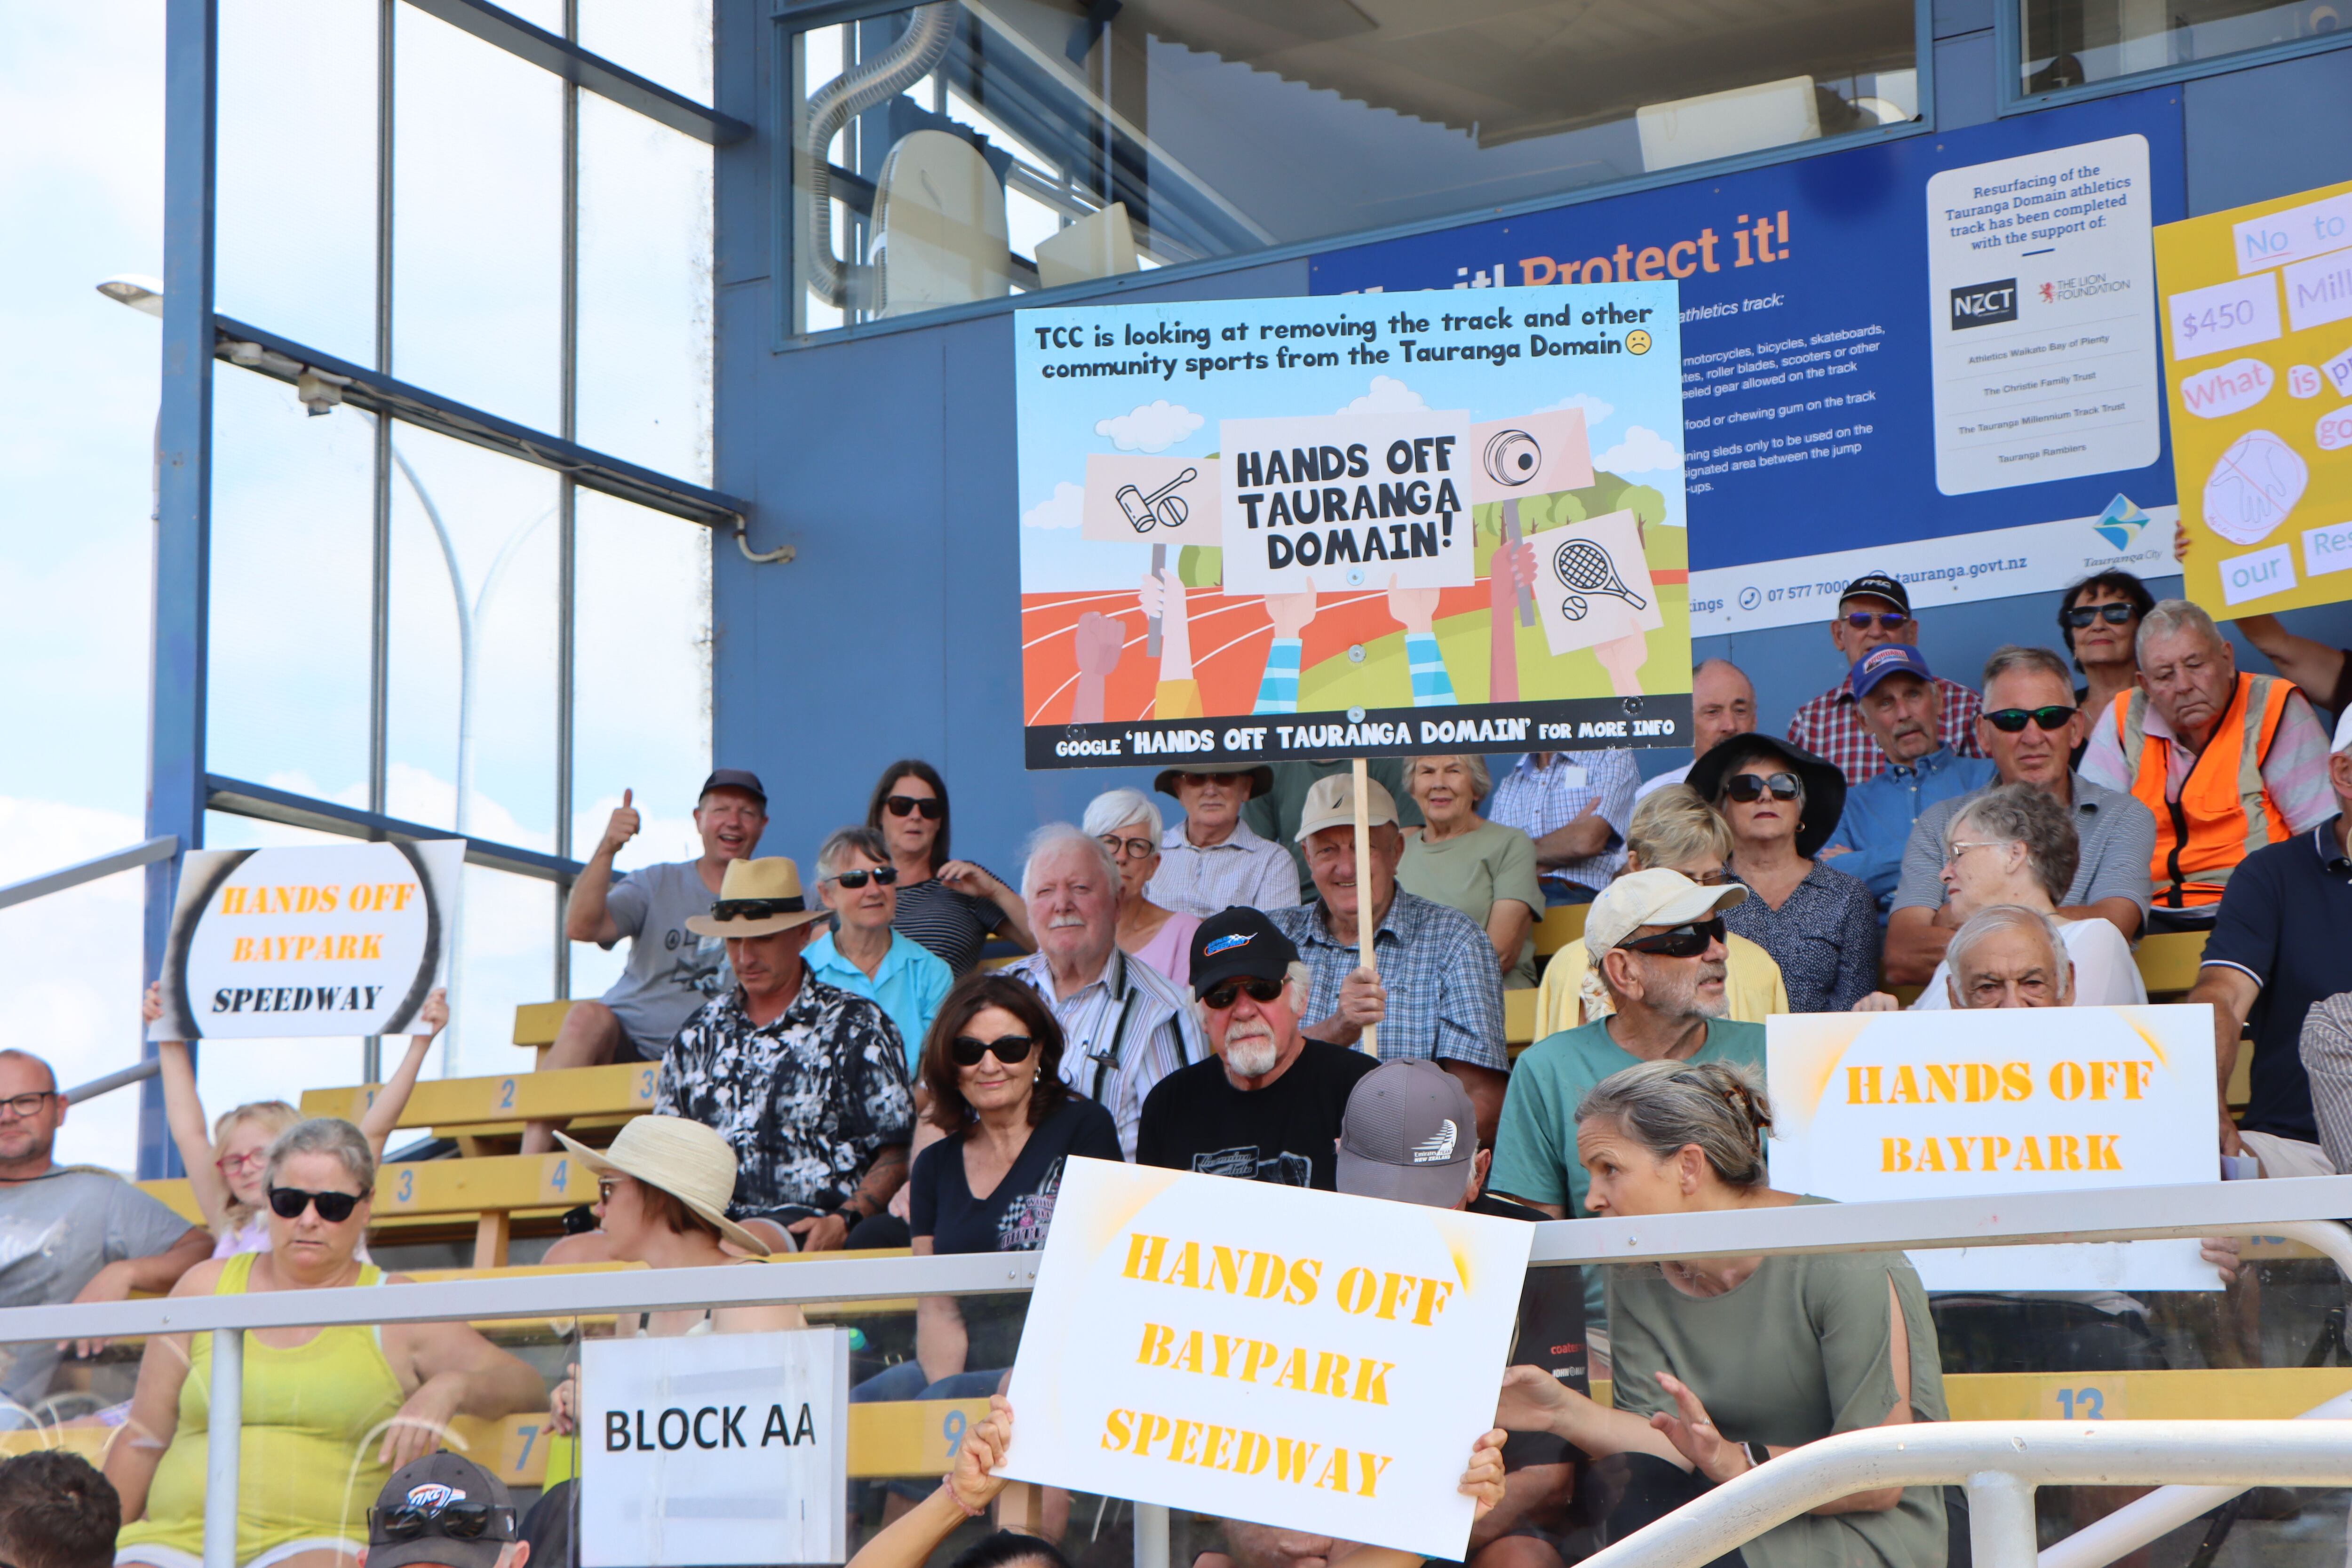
(161, 848)
(2001, 1463)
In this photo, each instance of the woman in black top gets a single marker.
(949, 906)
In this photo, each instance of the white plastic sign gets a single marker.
(714, 1450)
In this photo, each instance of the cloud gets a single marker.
(1153, 428)
(1060, 510)
(1595, 411)
(1642, 451)
(1388, 395)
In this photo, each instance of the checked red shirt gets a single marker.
(1831, 727)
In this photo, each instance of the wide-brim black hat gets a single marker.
(1824, 783)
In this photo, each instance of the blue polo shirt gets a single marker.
(909, 986)
(2281, 922)
(1879, 814)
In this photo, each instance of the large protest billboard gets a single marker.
(1259, 529)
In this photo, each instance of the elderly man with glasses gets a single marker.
(1873, 612)
(2029, 727)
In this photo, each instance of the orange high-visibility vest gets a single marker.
(2225, 811)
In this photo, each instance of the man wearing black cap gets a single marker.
(671, 972)
(442, 1511)
(1875, 610)
(1269, 1106)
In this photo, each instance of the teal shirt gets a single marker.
(1535, 1142)
(909, 986)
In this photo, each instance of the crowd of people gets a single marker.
(838, 1068)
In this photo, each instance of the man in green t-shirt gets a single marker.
(1659, 939)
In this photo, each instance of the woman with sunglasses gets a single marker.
(1129, 827)
(863, 951)
(1819, 925)
(951, 907)
(328, 1413)
(2099, 618)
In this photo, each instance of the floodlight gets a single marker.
(136, 290)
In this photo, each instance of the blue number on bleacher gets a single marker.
(645, 1085)
(2093, 1402)
(951, 1430)
(506, 1095)
(407, 1187)
(530, 1436)
(562, 1166)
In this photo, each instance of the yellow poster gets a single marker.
(2258, 370)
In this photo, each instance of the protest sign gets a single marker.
(333, 939)
(714, 1450)
(1266, 1353)
(2258, 368)
(1259, 529)
(1870, 1106)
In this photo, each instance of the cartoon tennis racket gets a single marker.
(1585, 567)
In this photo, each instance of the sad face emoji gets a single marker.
(1637, 341)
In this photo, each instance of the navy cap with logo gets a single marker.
(1242, 942)
(441, 1509)
(735, 778)
(1878, 585)
(1888, 659)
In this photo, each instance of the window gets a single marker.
(1027, 143)
(2070, 43)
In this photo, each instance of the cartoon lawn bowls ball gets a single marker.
(1512, 458)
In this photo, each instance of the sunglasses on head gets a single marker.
(1682, 941)
(2010, 721)
(881, 877)
(2082, 615)
(932, 808)
(288, 1203)
(1892, 620)
(459, 1519)
(1747, 787)
(1006, 1048)
(1225, 993)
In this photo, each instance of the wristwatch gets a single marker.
(1756, 1454)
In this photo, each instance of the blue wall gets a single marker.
(888, 463)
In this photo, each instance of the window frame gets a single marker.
(2008, 51)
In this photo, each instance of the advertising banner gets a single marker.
(714, 1450)
(1259, 529)
(2258, 343)
(1871, 1106)
(335, 939)
(1270, 1354)
(1934, 356)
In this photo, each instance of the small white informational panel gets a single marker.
(1265, 1352)
(715, 1450)
(1874, 1106)
(326, 940)
(2041, 294)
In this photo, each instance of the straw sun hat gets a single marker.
(757, 898)
(684, 1159)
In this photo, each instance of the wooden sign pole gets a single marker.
(1366, 1042)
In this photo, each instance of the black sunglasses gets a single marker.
(459, 1519)
(932, 808)
(1682, 941)
(1893, 620)
(1225, 993)
(881, 876)
(2010, 721)
(1746, 788)
(2082, 615)
(1006, 1048)
(288, 1203)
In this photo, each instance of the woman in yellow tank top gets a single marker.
(329, 1413)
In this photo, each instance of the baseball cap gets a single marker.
(735, 778)
(1890, 658)
(425, 1501)
(2343, 731)
(1409, 1134)
(1878, 585)
(1653, 898)
(1332, 800)
(1239, 940)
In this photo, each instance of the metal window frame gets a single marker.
(789, 18)
(565, 57)
(2009, 53)
(242, 797)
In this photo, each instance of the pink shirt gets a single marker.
(1169, 951)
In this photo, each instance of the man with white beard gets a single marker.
(1125, 1026)
(1269, 1106)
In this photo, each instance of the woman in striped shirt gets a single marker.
(949, 906)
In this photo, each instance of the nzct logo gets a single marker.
(1984, 304)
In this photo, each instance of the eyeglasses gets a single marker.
(26, 1104)
(903, 804)
(605, 1187)
(1006, 1048)
(1682, 941)
(1225, 993)
(1713, 878)
(1892, 620)
(2010, 720)
(1128, 849)
(1953, 854)
(1747, 787)
(881, 877)
(288, 1203)
(1201, 781)
(228, 1162)
(459, 1519)
(2082, 615)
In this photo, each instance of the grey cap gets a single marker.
(1410, 1134)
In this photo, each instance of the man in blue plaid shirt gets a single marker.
(1575, 805)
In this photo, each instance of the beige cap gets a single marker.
(1657, 897)
(1332, 802)
(686, 1160)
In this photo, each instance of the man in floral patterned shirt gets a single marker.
(806, 1082)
